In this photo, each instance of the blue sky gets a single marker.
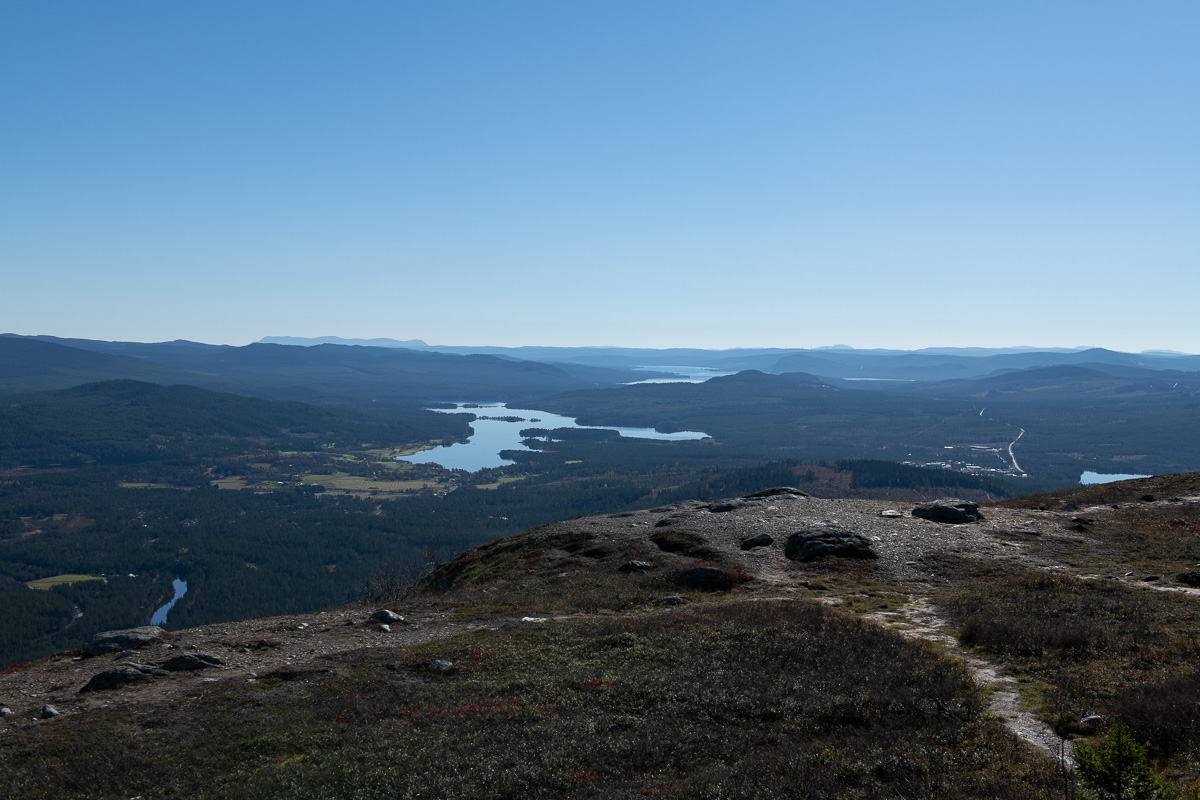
(652, 174)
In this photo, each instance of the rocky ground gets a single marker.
(750, 534)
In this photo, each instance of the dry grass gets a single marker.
(738, 700)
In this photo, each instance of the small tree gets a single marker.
(1117, 770)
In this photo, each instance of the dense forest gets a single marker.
(110, 490)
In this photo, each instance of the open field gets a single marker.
(355, 483)
(59, 580)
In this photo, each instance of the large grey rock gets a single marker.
(125, 673)
(762, 540)
(811, 545)
(111, 641)
(385, 615)
(776, 491)
(949, 510)
(635, 566)
(721, 508)
(50, 712)
(192, 661)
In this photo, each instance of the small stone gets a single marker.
(385, 628)
(5, 711)
(50, 712)
(890, 513)
(673, 599)
(385, 615)
(1149, 578)
(1094, 721)
(535, 619)
(440, 665)
(635, 566)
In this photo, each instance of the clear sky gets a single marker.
(603, 172)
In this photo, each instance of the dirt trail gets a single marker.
(920, 620)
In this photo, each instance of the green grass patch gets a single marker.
(356, 483)
(501, 481)
(59, 580)
(138, 485)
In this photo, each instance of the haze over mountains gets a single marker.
(1065, 411)
(315, 368)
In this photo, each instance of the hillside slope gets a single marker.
(589, 658)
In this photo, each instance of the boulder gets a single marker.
(673, 599)
(705, 578)
(890, 513)
(111, 641)
(50, 712)
(776, 491)
(635, 566)
(762, 540)
(125, 673)
(440, 665)
(384, 615)
(191, 662)
(1191, 577)
(949, 510)
(721, 508)
(811, 545)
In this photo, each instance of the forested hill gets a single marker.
(30, 365)
(123, 422)
(325, 373)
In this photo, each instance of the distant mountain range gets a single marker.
(384, 370)
(929, 364)
(320, 374)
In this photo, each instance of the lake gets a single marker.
(160, 616)
(1093, 478)
(683, 374)
(492, 435)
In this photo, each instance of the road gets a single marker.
(1012, 457)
